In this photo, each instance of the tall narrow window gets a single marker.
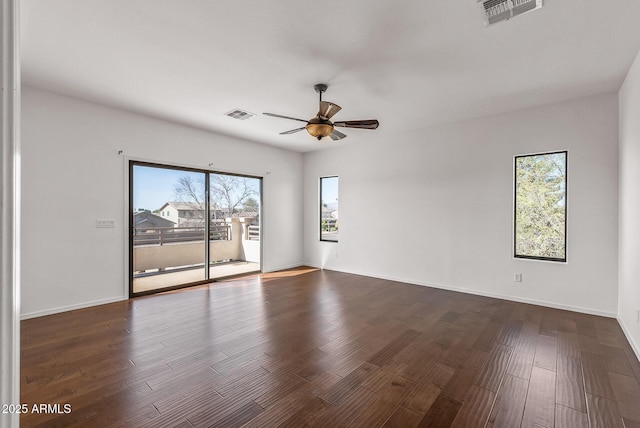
(540, 218)
(329, 209)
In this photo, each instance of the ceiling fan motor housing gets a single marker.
(320, 87)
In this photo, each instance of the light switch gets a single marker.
(105, 223)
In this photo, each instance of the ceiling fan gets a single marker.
(321, 126)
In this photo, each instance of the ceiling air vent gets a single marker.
(502, 10)
(240, 114)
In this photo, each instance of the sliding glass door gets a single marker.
(188, 226)
(234, 241)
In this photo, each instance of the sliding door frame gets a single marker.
(207, 251)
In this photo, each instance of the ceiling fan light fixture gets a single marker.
(319, 130)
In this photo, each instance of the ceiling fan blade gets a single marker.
(337, 135)
(293, 131)
(284, 117)
(362, 124)
(327, 110)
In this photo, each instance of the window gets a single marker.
(540, 206)
(329, 209)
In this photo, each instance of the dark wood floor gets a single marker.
(321, 348)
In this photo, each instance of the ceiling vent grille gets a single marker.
(239, 114)
(502, 10)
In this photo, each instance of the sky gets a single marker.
(153, 187)
(330, 191)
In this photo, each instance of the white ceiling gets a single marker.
(410, 64)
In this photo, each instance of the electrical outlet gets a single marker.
(517, 277)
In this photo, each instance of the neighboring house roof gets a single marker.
(246, 214)
(147, 219)
(182, 206)
(327, 212)
(191, 206)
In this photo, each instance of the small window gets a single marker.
(540, 206)
(329, 209)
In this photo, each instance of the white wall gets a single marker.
(448, 195)
(629, 234)
(72, 175)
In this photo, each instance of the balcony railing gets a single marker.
(329, 225)
(253, 233)
(174, 235)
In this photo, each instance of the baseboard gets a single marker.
(632, 342)
(283, 267)
(57, 310)
(554, 305)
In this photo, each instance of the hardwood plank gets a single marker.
(632, 359)
(385, 355)
(568, 344)
(287, 384)
(549, 325)
(306, 415)
(509, 405)
(570, 418)
(341, 389)
(566, 324)
(493, 371)
(626, 390)
(603, 413)
(608, 338)
(450, 316)
(239, 417)
(616, 360)
(596, 378)
(290, 404)
(428, 389)
(540, 404)
(569, 384)
(467, 367)
(546, 352)
(442, 413)
(403, 418)
(510, 334)
(476, 408)
(414, 363)
(342, 414)
(503, 312)
(589, 344)
(607, 324)
(388, 399)
(523, 355)
(630, 424)
(528, 424)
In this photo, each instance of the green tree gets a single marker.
(250, 205)
(540, 205)
(228, 193)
